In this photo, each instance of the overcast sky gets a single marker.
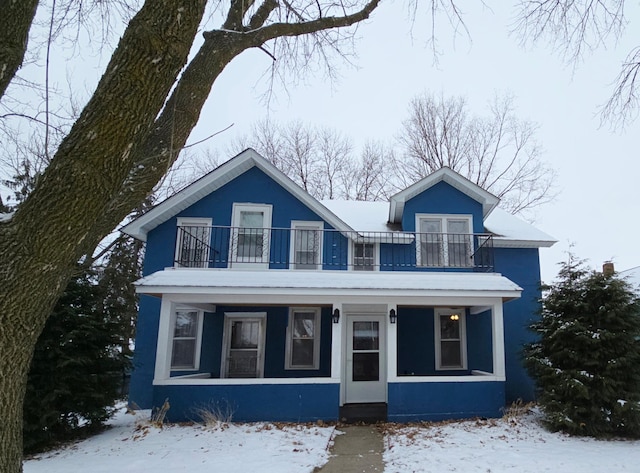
(598, 169)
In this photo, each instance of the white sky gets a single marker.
(597, 168)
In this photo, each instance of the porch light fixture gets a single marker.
(336, 316)
(393, 316)
(454, 317)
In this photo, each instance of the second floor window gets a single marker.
(306, 245)
(193, 242)
(444, 240)
(364, 256)
(250, 236)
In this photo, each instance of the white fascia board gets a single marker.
(459, 182)
(220, 176)
(510, 243)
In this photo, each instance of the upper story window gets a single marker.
(450, 339)
(444, 240)
(250, 236)
(306, 245)
(187, 332)
(303, 339)
(193, 242)
(364, 256)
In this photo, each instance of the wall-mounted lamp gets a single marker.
(336, 316)
(393, 316)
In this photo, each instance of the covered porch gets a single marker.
(298, 345)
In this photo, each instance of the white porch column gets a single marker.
(497, 329)
(163, 349)
(336, 343)
(392, 346)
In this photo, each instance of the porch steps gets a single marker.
(363, 413)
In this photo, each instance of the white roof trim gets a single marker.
(214, 180)
(329, 285)
(464, 185)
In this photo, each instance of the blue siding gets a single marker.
(144, 357)
(522, 266)
(480, 342)
(410, 402)
(442, 199)
(259, 402)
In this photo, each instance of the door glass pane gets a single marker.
(194, 246)
(366, 366)
(243, 364)
(431, 241)
(365, 335)
(307, 248)
(458, 242)
(245, 333)
(251, 235)
(363, 259)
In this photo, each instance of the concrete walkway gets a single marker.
(357, 450)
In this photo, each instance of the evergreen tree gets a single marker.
(76, 370)
(586, 360)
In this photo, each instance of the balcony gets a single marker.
(308, 248)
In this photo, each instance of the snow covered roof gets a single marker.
(508, 230)
(214, 180)
(315, 286)
(464, 185)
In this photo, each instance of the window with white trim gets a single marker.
(243, 345)
(185, 347)
(303, 339)
(250, 236)
(444, 240)
(306, 245)
(193, 242)
(450, 339)
(364, 256)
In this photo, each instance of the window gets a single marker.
(364, 256)
(444, 240)
(306, 247)
(193, 242)
(450, 337)
(244, 336)
(250, 236)
(187, 330)
(303, 339)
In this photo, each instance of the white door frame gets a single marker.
(372, 391)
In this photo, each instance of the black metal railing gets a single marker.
(315, 249)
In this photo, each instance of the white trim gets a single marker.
(228, 318)
(179, 381)
(376, 255)
(198, 338)
(263, 261)
(392, 344)
(163, 346)
(444, 220)
(288, 363)
(296, 227)
(497, 326)
(337, 349)
(438, 341)
(446, 379)
(192, 222)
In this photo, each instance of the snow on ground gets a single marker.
(132, 445)
(498, 445)
(488, 446)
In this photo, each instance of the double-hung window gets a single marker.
(250, 236)
(364, 256)
(444, 240)
(243, 345)
(306, 245)
(187, 332)
(193, 242)
(450, 339)
(303, 339)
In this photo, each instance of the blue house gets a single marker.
(261, 300)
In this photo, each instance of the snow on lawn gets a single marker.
(498, 445)
(132, 445)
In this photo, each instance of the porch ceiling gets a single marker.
(288, 285)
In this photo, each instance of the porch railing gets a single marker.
(310, 248)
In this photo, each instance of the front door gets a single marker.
(365, 361)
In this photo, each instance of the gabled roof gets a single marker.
(217, 178)
(633, 277)
(464, 185)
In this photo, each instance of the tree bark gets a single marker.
(17, 17)
(49, 233)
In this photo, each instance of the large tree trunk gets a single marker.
(113, 156)
(50, 232)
